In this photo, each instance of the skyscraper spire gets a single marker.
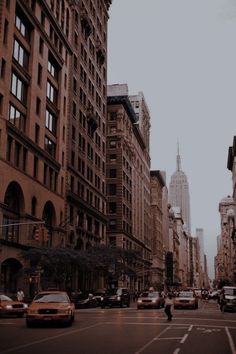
(178, 157)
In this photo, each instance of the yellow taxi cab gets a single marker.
(186, 299)
(11, 307)
(50, 306)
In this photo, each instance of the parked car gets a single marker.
(230, 298)
(116, 297)
(50, 306)
(98, 294)
(85, 301)
(150, 299)
(11, 307)
(186, 299)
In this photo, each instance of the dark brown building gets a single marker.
(52, 127)
(128, 184)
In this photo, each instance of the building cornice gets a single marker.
(125, 102)
(157, 173)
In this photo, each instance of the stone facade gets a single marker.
(157, 245)
(52, 128)
(128, 183)
(225, 259)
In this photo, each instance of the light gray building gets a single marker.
(179, 193)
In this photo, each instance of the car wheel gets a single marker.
(121, 304)
(69, 323)
(128, 304)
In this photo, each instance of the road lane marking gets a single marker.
(151, 341)
(7, 323)
(164, 324)
(168, 338)
(231, 342)
(22, 346)
(185, 318)
(190, 328)
(176, 351)
(184, 338)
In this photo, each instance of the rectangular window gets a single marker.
(51, 93)
(18, 88)
(112, 173)
(17, 154)
(3, 68)
(112, 224)
(38, 106)
(45, 173)
(25, 155)
(50, 146)
(5, 32)
(9, 148)
(39, 74)
(112, 189)
(51, 122)
(17, 118)
(41, 44)
(52, 68)
(112, 208)
(20, 54)
(37, 130)
(112, 144)
(22, 27)
(113, 116)
(1, 103)
(35, 172)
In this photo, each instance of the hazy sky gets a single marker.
(182, 55)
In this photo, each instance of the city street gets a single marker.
(127, 331)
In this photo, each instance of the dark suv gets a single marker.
(116, 297)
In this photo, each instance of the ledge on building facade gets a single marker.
(14, 244)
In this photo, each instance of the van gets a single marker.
(230, 298)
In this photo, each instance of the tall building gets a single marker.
(128, 183)
(52, 127)
(158, 251)
(200, 236)
(85, 215)
(179, 193)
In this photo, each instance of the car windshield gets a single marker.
(5, 298)
(46, 297)
(231, 292)
(151, 294)
(186, 294)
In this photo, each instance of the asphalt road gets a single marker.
(127, 331)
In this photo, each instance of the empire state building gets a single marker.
(179, 193)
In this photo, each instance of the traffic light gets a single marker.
(45, 234)
(37, 233)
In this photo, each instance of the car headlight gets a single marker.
(154, 300)
(8, 307)
(118, 298)
(25, 306)
(139, 301)
(102, 298)
(64, 311)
